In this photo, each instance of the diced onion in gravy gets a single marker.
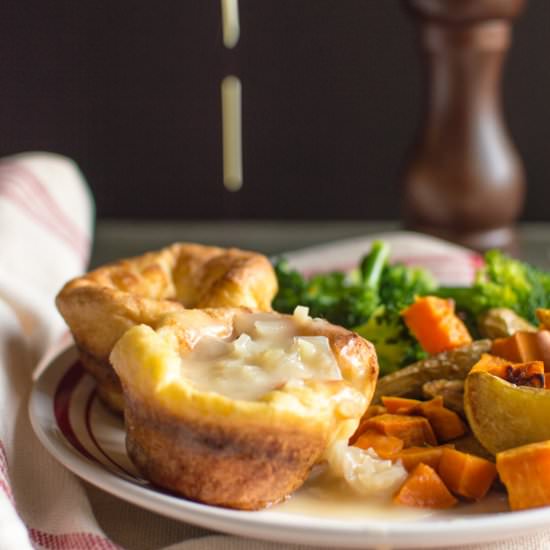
(364, 471)
(264, 353)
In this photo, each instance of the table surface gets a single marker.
(116, 239)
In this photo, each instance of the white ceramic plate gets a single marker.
(89, 440)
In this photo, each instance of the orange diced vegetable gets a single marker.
(373, 410)
(492, 364)
(446, 424)
(525, 471)
(516, 348)
(524, 346)
(385, 446)
(543, 316)
(424, 489)
(466, 475)
(433, 322)
(400, 405)
(530, 373)
(403, 405)
(413, 456)
(414, 431)
(436, 401)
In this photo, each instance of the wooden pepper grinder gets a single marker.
(464, 180)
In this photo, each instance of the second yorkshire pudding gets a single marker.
(101, 305)
(234, 408)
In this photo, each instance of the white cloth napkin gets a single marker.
(46, 216)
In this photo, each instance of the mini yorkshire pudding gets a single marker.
(101, 305)
(233, 408)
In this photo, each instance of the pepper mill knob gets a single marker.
(464, 180)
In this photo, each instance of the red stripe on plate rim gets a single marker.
(89, 429)
(62, 404)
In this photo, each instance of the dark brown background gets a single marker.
(331, 90)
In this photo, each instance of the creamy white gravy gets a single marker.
(264, 353)
(328, 497)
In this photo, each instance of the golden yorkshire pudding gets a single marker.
(100, 306)
(233, 408)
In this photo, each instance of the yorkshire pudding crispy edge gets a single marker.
(101, 305)
(243, 454)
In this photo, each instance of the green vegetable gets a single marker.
(343, 299)
(505, 283)
(395, 346)
(369, 300)
(373, 264)
(399, 285)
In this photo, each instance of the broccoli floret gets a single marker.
(343, 299)
(503, 282)
(333, 296)
(292, 287)
(395, 346)
(399, 285)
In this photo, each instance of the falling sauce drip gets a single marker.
(231, 104)
(232, 133)
(230, 23)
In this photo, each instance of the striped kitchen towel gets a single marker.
(45, 235)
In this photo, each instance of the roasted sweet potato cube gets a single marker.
(414, 431)
(446, 424)
(400, 405)
(492, 364)
(524, 346)
(466, 475)
(424, 489)
(413, 456)
(525, 471)
(385, 446)
(433, 322)
(373, 410)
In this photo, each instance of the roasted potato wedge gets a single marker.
(502, 415)
(501, 322)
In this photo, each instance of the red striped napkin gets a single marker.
(45, 235)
